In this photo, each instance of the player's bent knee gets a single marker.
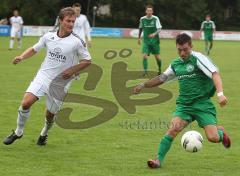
(173, 131)
(26, 105)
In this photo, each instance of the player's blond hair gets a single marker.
(67, 11)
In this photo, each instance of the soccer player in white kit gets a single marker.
(66, 56)
(81, 25)
(16, 22)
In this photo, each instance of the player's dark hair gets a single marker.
(68, 11)
(76, 4)
(183, 38)
(149, 6)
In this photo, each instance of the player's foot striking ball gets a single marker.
(198, 80)
(153, 163)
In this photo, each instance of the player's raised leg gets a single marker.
(217, 134)
(177, 125)
(23, 114)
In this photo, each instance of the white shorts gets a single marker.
(39, 89)
(15, 33)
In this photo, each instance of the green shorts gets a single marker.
(208, 37)
(203, 112)
(148, 49)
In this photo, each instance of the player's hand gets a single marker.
(17, 59)
(67, 74)
(222, 100)
(139, 41)
(200, 34)
(151, 35)
(214, 35)
(137, 89)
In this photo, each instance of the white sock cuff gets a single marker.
(23, 110)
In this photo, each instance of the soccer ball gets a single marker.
(192, 141)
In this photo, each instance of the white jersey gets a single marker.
(62, 53)
(82, 27)
(16, 22)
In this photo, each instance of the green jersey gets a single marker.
(208, 27)
(194, 76)
(149, 26)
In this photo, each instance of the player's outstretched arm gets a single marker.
(156, 81)
(222, 100)
(26, 54)
(166, 76)
(74, 70)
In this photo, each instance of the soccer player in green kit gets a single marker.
(198, 80)
(208, 27)
(150, 26)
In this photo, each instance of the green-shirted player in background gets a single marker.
(198, 79)
(208, 27)
(150, 26)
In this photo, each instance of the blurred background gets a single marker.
(180, 14)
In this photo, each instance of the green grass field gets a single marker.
(113, 149)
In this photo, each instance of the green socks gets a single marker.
(164, 147)
(159, 63)
(220, 133)
(145, 64)
(206, 47)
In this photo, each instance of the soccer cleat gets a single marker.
(153, 163)
(42, 140)
(11, 138)
(226, 139)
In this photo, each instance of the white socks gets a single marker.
(23, 115)
(11, 43)
(46, 127)
(19, 43)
